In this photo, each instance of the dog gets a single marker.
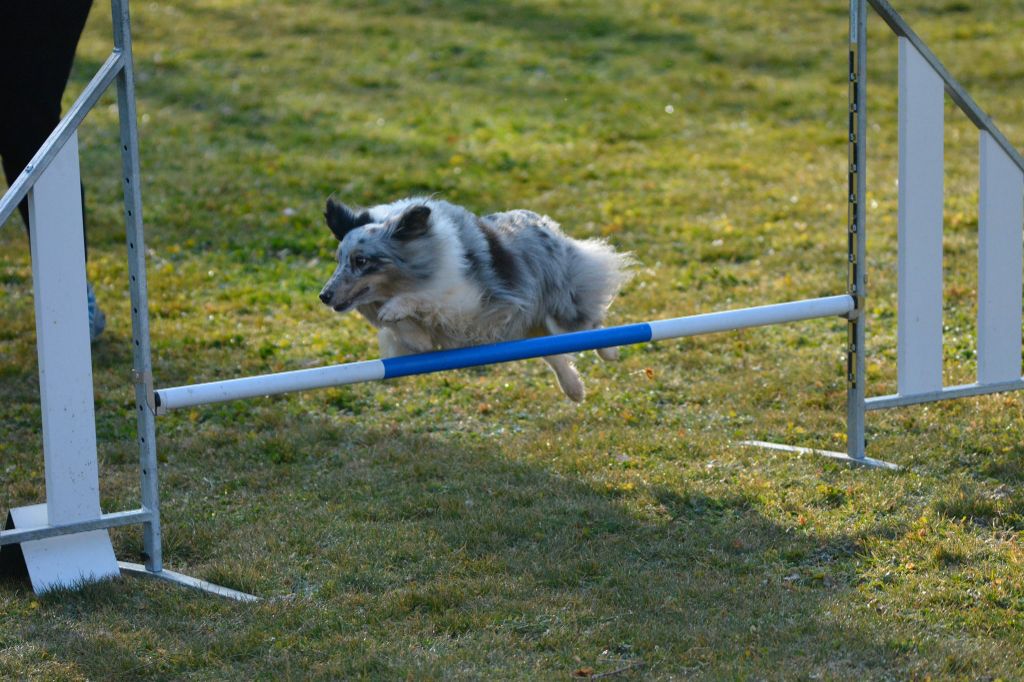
(432, 275)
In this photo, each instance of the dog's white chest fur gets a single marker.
(452, 312)
(448, 301)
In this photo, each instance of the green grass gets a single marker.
(475, 524)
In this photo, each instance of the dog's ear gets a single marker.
(415, 222)
(342, 219)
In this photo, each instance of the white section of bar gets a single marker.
(751, 317)
(919, 330)
(269, 384)
(1000, 257)
(62, 330)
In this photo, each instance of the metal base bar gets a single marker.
(187, 581)
(125, 518)
(841, 456)
(885, 402)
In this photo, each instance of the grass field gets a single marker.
(476, 525)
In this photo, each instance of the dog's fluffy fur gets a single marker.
(429, 274)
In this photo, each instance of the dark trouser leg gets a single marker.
(38, 39)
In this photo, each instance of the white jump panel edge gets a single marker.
(65, 386)
(1000, 254)
(919, 333)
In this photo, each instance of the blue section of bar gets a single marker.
(508, 351)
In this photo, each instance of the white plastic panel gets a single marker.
(1000, 263)
(62, 330)
(65, 560)
(919, 334)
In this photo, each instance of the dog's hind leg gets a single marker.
(610, 354)
(606, 354)
(568, 378)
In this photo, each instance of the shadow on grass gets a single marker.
(387, 552)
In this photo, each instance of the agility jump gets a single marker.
(508, 351)
(64, 541)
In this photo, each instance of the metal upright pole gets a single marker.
(856, 231)
(143, 366)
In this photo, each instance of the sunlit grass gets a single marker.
(475, 524)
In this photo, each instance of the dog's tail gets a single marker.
(598, 273)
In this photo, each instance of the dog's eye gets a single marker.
(359, 261)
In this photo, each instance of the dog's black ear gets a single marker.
(415, 222)
(342, 219)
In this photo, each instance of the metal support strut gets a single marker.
(856, 277)
(856, 232)
(142, 373)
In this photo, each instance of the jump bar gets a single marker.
(508, 351)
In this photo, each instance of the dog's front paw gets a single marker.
(394, 310)
(390, 346)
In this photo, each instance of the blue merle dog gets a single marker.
(432, 275)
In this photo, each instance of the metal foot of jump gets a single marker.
(841, 456)
(188, 581)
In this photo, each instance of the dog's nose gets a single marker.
(326, 296)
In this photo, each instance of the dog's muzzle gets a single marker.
(328, 296)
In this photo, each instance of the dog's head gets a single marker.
(376, 260)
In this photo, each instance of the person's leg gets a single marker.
(38, 39)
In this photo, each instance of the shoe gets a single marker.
(97, 320)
